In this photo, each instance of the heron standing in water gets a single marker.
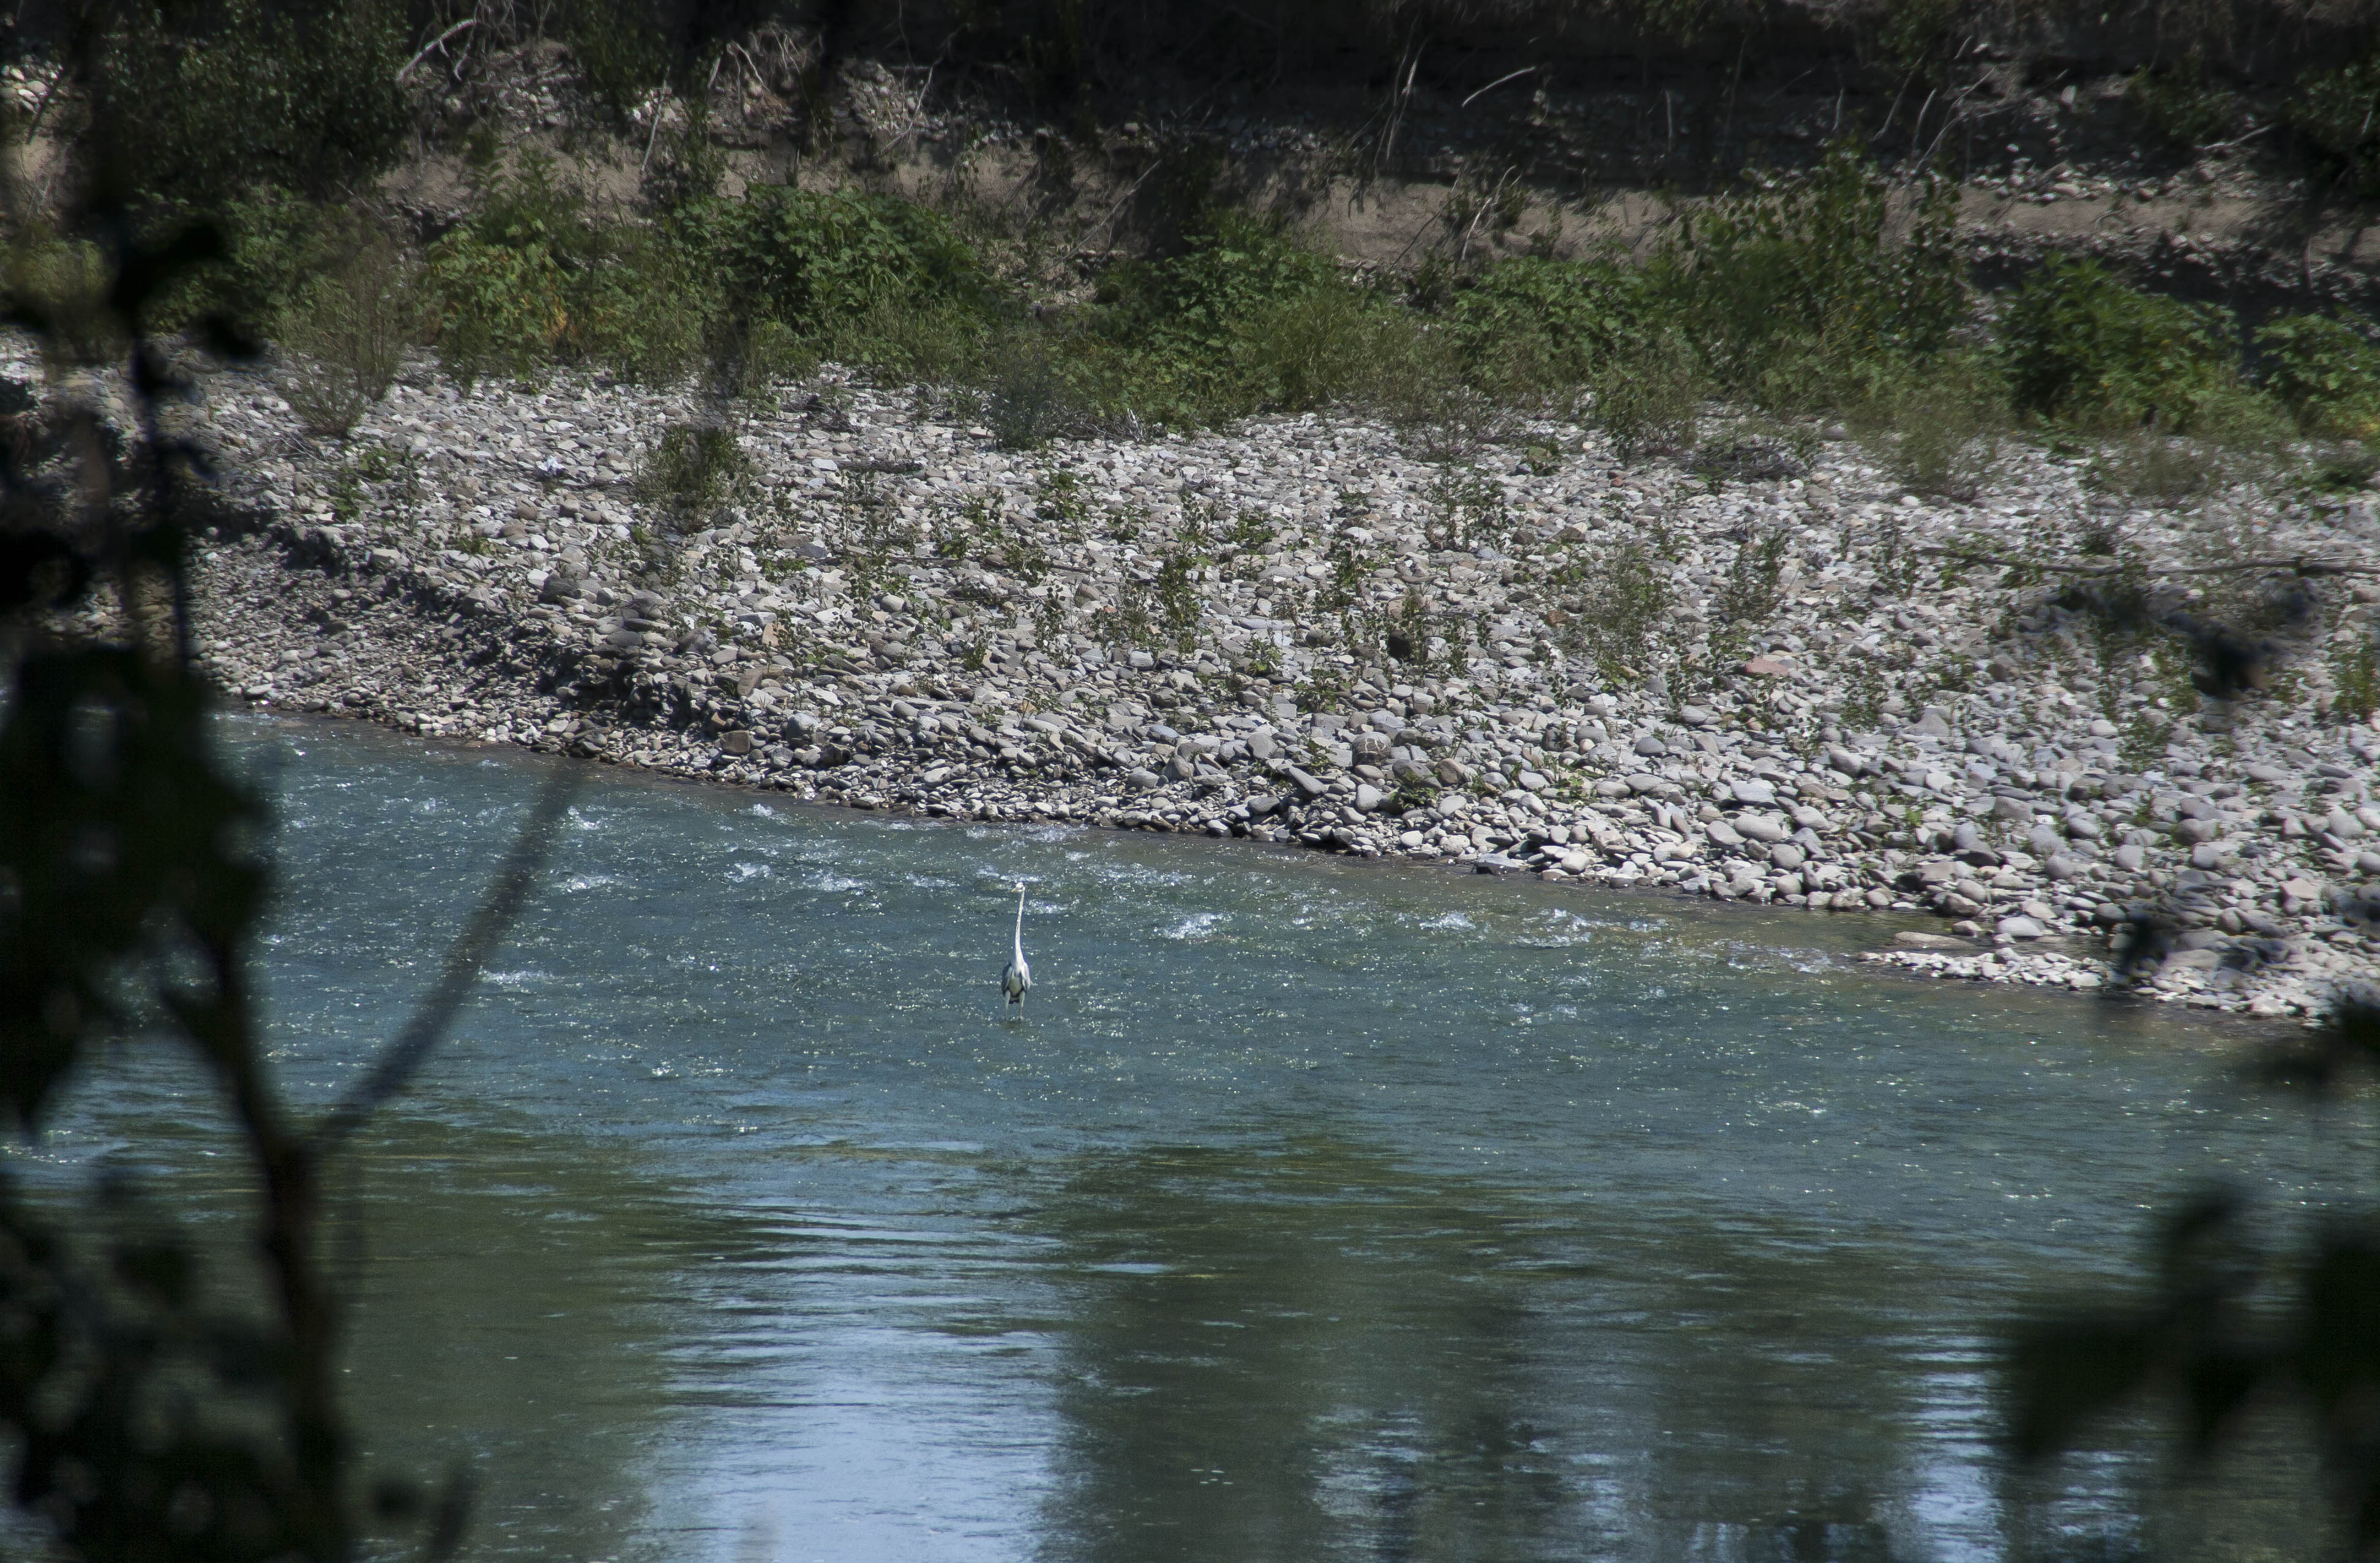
(1018, 978)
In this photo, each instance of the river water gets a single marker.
(1315, 1210)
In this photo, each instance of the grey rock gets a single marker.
(1755, 792)
(1369, 797)
(1311, 786)
(1651, 745)
(2019, 926)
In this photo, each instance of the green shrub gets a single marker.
(2084, 348)
(539, 277)
(1184, 322)
(1791, 292)
(2337, 115)
(1317, 346)
(694, 469)
(2325, 369)
(65, 285)
(504, 309)
(344, 337)
(301, 98)
(1537, 323)
(1028, 398)
(812, 259)
(2179, 104)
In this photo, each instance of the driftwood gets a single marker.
(2300, 567)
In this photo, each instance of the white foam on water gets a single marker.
(739, 872)
(1451, 920)
(579, 884)
(837, 883)
(1199, 924)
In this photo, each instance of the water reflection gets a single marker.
(1320, 1212)
(1290, 1350)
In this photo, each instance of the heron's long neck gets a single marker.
(1020, 929)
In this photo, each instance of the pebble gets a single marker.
(1151, 635)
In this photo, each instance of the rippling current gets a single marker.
(1316, 1209)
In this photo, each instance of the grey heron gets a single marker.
(1018, 978)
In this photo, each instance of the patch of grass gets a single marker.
(1530, 324)
(1649, 398)
(2141, 744)
(1939, 426)
(1614, 603)
(693, 470)
(2355, 678)
(1467, 511)
(1793, 290)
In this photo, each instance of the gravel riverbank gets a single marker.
(1774, 677)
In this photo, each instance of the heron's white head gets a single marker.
(1020, 887)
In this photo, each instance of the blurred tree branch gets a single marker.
(153, 1416)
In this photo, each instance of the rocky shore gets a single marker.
(2058, 717)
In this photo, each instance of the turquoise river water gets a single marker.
(1317, 1210)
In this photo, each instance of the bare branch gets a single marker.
(2301, 566)
(486, 930)
(437, 42)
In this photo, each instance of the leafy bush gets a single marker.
(63, 285)
(2337, 114)
(2179, 104)
(302, 98)
(1317, 346)
(809, 259)
(539, 277)
(1791, 292)
(694, 469)
(1535, 323)
(503, 307)
(2325, 369)
(1184, 322)
(1614, 604)
(2083, 346)
(344, 337)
